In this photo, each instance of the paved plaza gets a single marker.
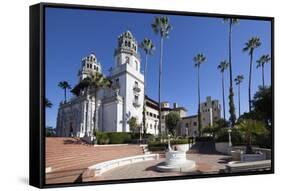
(69, 158)
(204, 164)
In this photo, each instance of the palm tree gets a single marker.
(264, 59)
(199, 59)
(231, 22)
(238, 80)
(148, 48)
(251, 128)
(64, 85)
(250, 46)
(94, 82)
(48, 103)
(222, 67)
(161, 25)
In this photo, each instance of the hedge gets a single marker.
(119, 137)
(157, 146)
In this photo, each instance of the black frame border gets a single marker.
(37, 93)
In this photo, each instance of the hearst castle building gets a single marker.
(119, 102)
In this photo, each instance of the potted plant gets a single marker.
(180, 144)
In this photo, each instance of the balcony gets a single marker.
(136, 103)
(136, 88)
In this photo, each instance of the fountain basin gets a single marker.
(176, 162)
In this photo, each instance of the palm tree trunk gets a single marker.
(231, 93)
(263, 76)
(239, 99)
(250, 80)
(199, 112)
(222, 74)
(64, 95)
(144, 99)
(95, 112)
(159, 83)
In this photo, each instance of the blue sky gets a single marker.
(72, 34)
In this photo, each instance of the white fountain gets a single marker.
(176, 161)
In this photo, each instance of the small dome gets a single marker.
(126, 34)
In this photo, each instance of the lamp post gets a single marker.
(155, 127)
(229, 137)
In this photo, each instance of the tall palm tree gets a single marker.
(264, 59)
(198, 60)
(94, 82)
(238, 80)
(64, 85)
(231, 22)
(148, 48)
(250, 46)
(222, 67)
(48, 103)
(161, 26)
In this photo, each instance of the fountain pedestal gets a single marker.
(176, 162)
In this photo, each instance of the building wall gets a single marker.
(152, 120)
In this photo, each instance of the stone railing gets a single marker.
(100, 168)
(248, 166)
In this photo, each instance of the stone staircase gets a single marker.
(67, 158)
(145, 149)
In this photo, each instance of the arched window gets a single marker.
(127, 61)
(129, 44)
(125, 43)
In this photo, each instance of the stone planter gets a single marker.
(236, 154)
(182, 147)
(222, 147)
(253, 157)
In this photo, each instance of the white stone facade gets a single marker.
(123, 100)
(115, 105)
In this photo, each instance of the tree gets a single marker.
(199, 59)
(250, 46)
(238, 80)
(249, 129)
(133, 123)
(172, 120)
(161, 26)
(222, 67)
(215, 130)
(264, 59)
(148, 48)
(48, 103)
(262, 104)
(49, 131)
(94, 82)
(231, 22)
(64, 85)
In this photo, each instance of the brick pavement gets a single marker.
(69, 157)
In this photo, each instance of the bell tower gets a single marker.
(89, 66)
(127, 51)
(127, 74)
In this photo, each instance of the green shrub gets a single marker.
(102, 138)
(179, 141)
(119, 137)
(157, 146)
